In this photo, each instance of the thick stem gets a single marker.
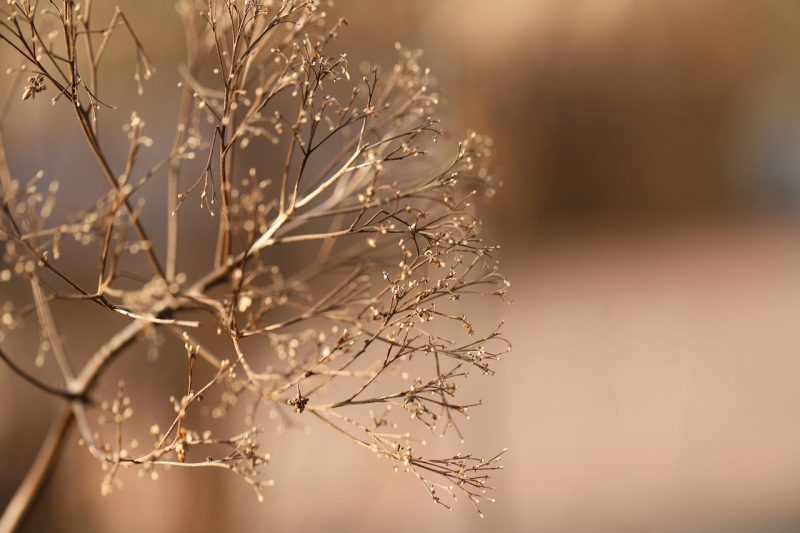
(38, 474)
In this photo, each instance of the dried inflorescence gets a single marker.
(363, 330)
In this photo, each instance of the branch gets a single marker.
(39, 472)
(41, 385)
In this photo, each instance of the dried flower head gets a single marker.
(35, 86)
(346, 246)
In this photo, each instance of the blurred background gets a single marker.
(649, 220)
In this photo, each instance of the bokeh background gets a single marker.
(651, 157)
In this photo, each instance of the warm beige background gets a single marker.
(650, 153)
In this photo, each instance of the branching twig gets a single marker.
(351, 271)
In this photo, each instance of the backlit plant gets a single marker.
(344, 240)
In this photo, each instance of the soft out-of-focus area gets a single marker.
(651, 159)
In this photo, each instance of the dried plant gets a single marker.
(342, 260)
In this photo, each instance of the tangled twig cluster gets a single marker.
(384, 226)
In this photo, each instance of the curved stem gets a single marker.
(38, 474)
(39, 384)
